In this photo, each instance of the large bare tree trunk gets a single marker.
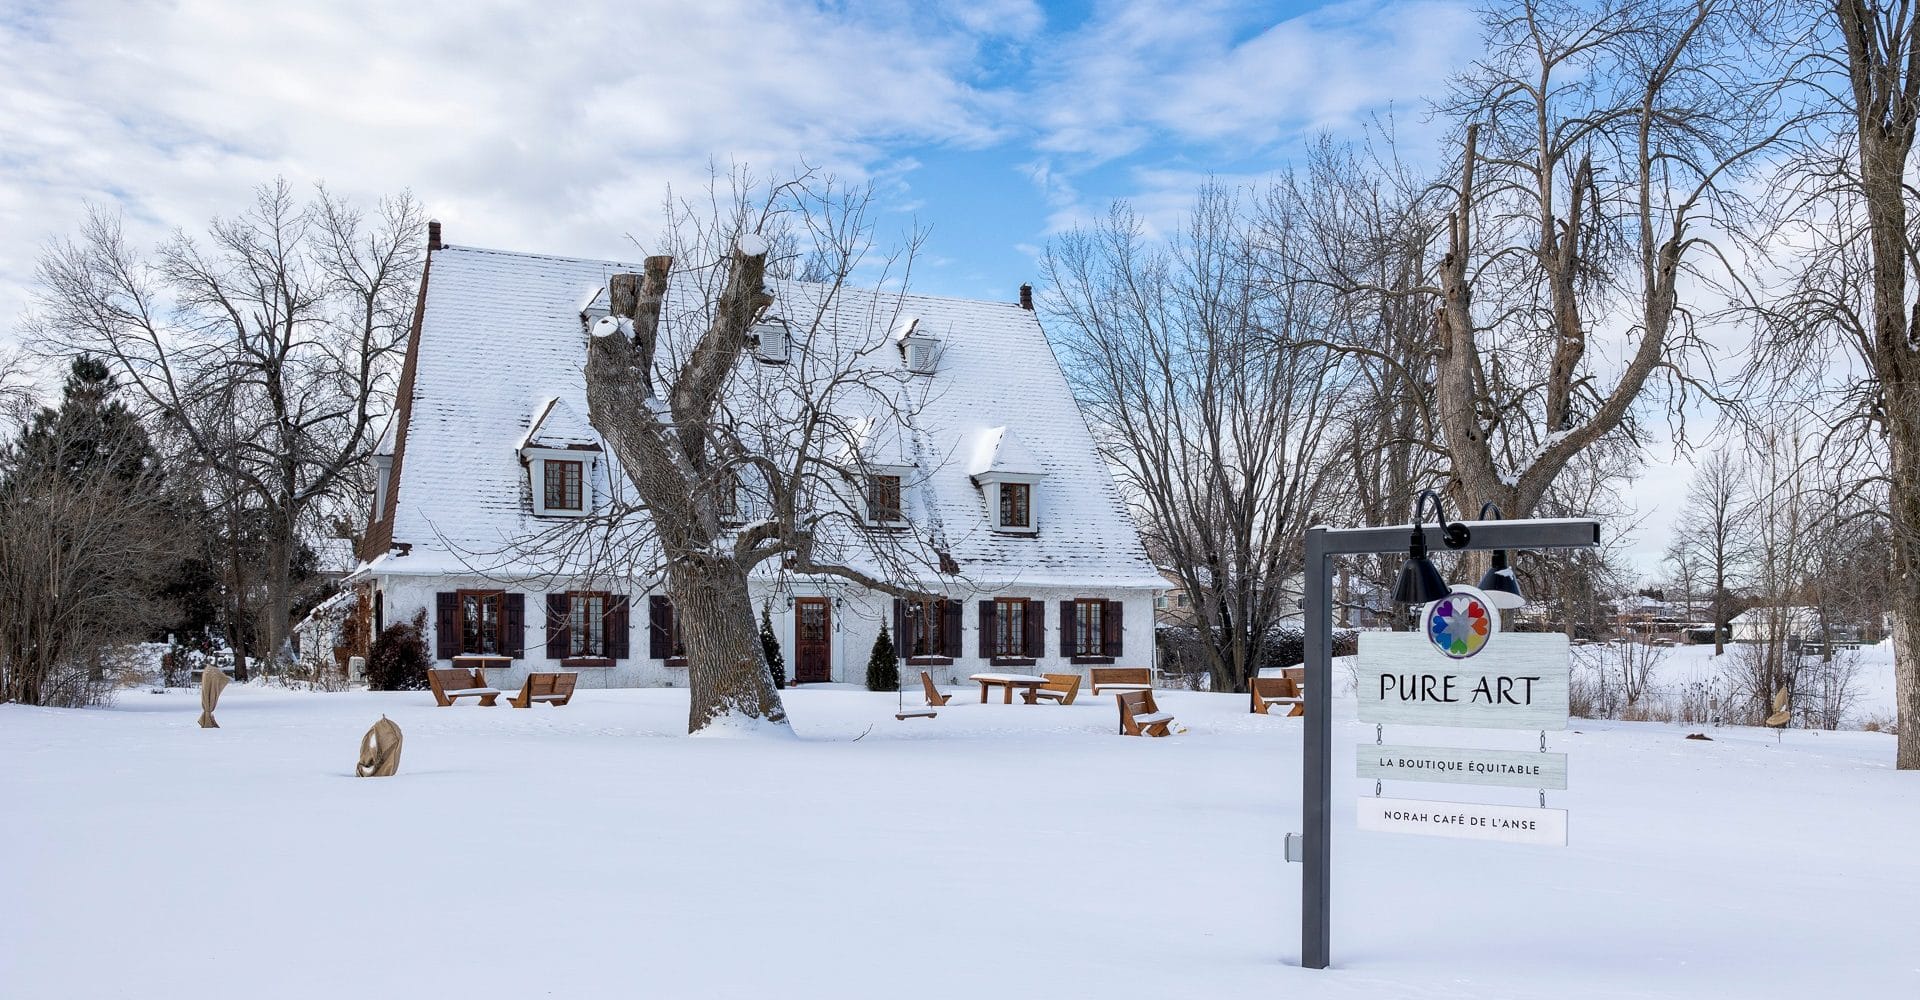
(1883, 64)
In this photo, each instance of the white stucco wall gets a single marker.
(855, 622)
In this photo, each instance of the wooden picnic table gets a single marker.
(1007, 682)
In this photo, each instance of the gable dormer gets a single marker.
(564, 459)
(878, 457)
(1009, 478)
(919, 348)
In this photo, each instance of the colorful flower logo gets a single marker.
(1460, 624)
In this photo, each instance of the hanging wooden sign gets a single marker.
(1461, 766)
(1464, 820)
(1512, 681)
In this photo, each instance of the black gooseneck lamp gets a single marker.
(1420, 580)
(1500, 585)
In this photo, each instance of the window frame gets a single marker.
(870, 512)
(499, 599)
(933, 609)
(997, 497)
(578, 468)
(1081, 647)
(576, 618)
(1010, 629)
(536, 461)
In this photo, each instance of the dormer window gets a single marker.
(1008, 476)
(564, 485)
(883, 500)
(919, 348)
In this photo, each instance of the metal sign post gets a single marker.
(1316, 884)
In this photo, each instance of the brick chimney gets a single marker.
(1026, 297)
(433, 234)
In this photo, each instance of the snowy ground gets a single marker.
(1003, 851)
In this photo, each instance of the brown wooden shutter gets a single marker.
(1067, 645)
(557, 645)
(617, 627)
(902, 642)
(950, 614)
(1036, 623)
(659, 627)
(446, 625)
(989, 629)
(514, 643)
(1111, 627)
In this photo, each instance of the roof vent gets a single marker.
(918, 346)
(771, 341)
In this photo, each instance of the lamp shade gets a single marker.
(1500, 585)
(1420, 581)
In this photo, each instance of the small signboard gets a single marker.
(1462, 766)
(1465, 820)
(1517, 681)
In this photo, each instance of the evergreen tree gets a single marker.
(883, 673)
(770, 645)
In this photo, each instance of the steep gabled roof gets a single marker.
(501, 332)
(556, 424)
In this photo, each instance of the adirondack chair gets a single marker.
(1139, 716)
(1062, 688)
(934, 697)
(450, 684)
(554, 688)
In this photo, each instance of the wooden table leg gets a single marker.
(1008, 700)
(983, 692)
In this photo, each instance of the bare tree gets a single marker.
(266, 349)
(1846, 220)
(695, 421)
(1202, 382)
(1712, 533)
(1602, 152)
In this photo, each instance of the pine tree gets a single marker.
(883, 673)
(770, 645)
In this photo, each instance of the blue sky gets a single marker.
(556, 128)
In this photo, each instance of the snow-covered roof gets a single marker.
(998, 451)
(501, 333)
(556, 424)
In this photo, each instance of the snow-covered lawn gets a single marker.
(996, 851)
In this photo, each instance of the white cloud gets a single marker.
(519, 125)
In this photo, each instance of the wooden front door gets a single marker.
(812, 641)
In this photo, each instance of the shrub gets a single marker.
(770, 645)
(883, 672)
(398, 660)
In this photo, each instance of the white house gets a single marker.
(491, 445)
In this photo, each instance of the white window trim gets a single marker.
(536, 460)
(991, 487)
(382, 482)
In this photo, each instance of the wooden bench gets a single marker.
(554, 688)
(1121, 678)
(1266, 692)
(1139, 716)
(934, 697)
(1062, 688)
(450, 684)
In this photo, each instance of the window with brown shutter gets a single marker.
(929, 633)
(482, 623)
(1010, 627)
(663, 632)
(587, 625)
(1092, 631)
(563, 484)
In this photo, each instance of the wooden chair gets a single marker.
(450, 684)
(1266, 692)
(1139, 716)
(934, 697)
(553, 688)
(1121, 678)
(1062, 688)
